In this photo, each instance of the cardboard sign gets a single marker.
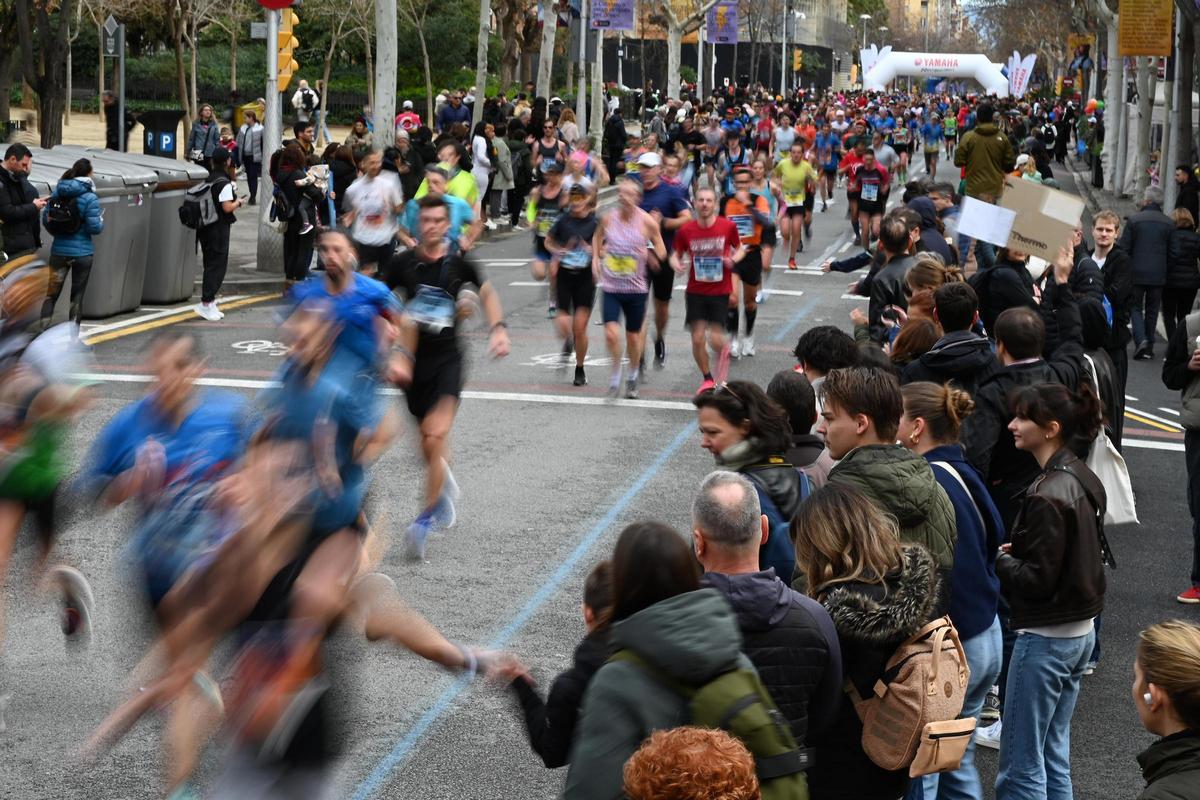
(1044, 218)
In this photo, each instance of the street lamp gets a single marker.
(864, 18)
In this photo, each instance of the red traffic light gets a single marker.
(275, 5)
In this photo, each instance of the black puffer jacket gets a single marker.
(793, 644)
(931, 240)
(20, 220)
(1171, 767)
(1005, 285)
(1184, 271)
(1053, 574)
(872, 620)
(963, 358)
(887, 289)
(1147, 238)
(1117, 273)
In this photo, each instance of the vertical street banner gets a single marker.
(723, 24)
(1144, 27)
(612, 15)
(1019, 72)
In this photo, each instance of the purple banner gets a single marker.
(612, 15)
(722, 24)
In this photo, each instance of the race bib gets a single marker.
(745, 225)
(708, 269)
(793, 199)
(576, 259)
(432, 308)
(621, 265)
(545, 221)
(870, 192)
(901, 136)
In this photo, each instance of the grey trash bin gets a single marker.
(119, 267)
(171, 256)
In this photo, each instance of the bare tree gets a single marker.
(232, 18)
(679, 17)
(10, 48)
(415, 13)
(546, 53)
(46, 73)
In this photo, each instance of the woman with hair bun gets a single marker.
(1052, 574)
(929, 426)
(927, 274)
(1166, 692)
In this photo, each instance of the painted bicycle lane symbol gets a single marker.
(260, 346)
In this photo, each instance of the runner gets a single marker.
(761, 184)
(752, 216)
(785, 134)
(708, 248)
(465, 228)
(545, 206)
(848, 166)
(570, 240)
(371, 206)
(931, 135)
(872, 181)
(796, 176)
(430, 363)
(669, 207)
(620, 262)
(829, 153)
(950, 134)
(549, 150)
(902, 139)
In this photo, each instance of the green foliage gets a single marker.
(813, 63)
(687, 73)
(876, 8)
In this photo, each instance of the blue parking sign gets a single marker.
(166, 142)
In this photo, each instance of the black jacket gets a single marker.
(931, 240)
(1171, 767)
(551, 724)
(1053, 574)
(615, 137)
(20, 222)
(1086, 280)
(1118, 288)
(1005, 285)
(1183, 271)
(872, 620)
(793, 644)
(963, 358)
(1146, 238)
(887, 289)
(1188, 197)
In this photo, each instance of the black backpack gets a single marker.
(63, 217)
(306, 100)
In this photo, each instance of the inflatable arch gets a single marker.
(949, 65)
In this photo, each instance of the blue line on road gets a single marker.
(374, 781)
(795, 319)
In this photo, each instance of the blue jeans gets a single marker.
(983, 658)
(1035, 745)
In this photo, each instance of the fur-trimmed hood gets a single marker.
(885, 615)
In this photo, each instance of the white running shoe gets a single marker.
(990, 736)
(735, 348)
(490, 225)
(78, 603)
(748, 346)
(209, 311)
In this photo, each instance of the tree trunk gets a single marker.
(1114, 107)
(100, 69)
(481, 64)
(1186, 80)
(370, 71)
(50, 115)
(546, 54)
(69, 87)
(327, 67)
(383, 101)
(1118, 186)
(428, 76)
(8, 59)
(674, 47)
(233, 44)
(596, 123)
(1146, 79)
(176, 25)
(194, 46)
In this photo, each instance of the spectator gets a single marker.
(1181, 372)
(1167, 696)
(961, 356)
(1117, 272)
(19, 203)
(916, 337)
(796, 396)
(297, 246)
(250, 145)
(483, 156)
(343, 171)
(788, 636)
(615, 137)
(305, 102)
(204, 138)
(214, 238)
(887, 285)
(71, 252)
(1183, 275)
(987, 155)
(1052, 575)
(821, 349)
(522, 169)
(502, 179)
(112, 112)
(933, 232)
(303, 133)
(878, 592)
(663, 616)
(1146, 239)
(360, 140)
(454, 112)
(1188, 196)
(567, 127)
(862, 408)
(409, 164)
(1005, 284)
(691, 764)
(407, 120)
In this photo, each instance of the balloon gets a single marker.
(1090, 107)
(1099, 105)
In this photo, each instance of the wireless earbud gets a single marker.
(1147, 699)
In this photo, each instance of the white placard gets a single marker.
(980, 220)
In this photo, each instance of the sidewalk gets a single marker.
(1097, 199)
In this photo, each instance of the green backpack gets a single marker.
(737, 702)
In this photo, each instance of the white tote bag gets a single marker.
(1109, 466)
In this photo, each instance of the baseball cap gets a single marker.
(578, 188)
(556, 99)
(1022, 159)
(552, 166)
(649, 160)
(408, 104)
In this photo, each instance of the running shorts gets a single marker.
(750, 268)
(434, 377)
(575, 289)
(662, 283)
(631, 304)
(710, 308)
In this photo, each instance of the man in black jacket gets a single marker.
(887, 285)
(1117, 271)
(615, 139)
(789, 637)
(962, 356)
(1146, 239)
(1189, 190)
(20, 206)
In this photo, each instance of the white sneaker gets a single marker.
(490, 225)
(989, 736)
(209, 311)
(748, 346)
(735, 349)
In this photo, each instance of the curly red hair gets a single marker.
(691, 764)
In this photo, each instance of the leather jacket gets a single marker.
(1054, 572)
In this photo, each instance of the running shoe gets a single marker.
(791, 263)
(1190, 596)
(631, 389)
(991, 706)
(735, 349)
(444, 515)
(580, 377)
(551, 312)
(490, 224)
(77, 603)
(824, 207)
(417, 535)
(449, 485)
(748, 346)
(614, 383)
(722, 364)
(990, 736)
(568, 349)
(660, 353)
(209, 311)
(707, 386)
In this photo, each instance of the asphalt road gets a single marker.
(550, 474)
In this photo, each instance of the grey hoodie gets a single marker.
(691, 637)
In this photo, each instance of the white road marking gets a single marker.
(855, 297)
(845, 247)
(1148, 415)
(527, 283)
(1143, 444)
(1130, 397)
(1170, 411)
(166, 312)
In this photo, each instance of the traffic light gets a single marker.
(285, 46)
(797, 60)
